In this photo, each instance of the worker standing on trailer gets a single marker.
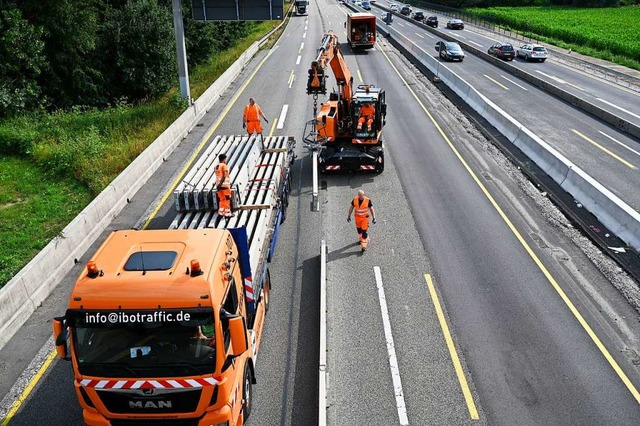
(251, 118)
(223, 187)
(363, 207)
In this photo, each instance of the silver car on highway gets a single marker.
(533, 52)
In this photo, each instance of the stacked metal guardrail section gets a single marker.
(260, 177)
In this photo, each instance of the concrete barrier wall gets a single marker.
(33, 284)
(614, 213)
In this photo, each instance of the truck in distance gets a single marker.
(361, 30)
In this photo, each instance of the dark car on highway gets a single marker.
(418, 16)
(406, 10)
(503, 51)
(432, 21)
(455, 24)
(450, 51)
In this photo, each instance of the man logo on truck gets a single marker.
(150, 404)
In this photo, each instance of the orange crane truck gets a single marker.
(164, 326)
(361, 30)
(351, 138)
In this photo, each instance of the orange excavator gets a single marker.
(349, 125)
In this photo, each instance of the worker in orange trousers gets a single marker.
(362, 206)
(223, 187)
(367, 113)
(251, 118)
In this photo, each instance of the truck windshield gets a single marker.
(163, 343)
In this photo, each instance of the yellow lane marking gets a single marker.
(273, 126)
(204, 142)
(597, 145)
(207, 137)
(497, 82)
(290, 78)
(25, 393)
(359, 75)
(471, 406)
(616, 367)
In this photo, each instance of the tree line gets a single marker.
(60, 54)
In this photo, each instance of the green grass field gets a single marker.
(54, 164)
(609, 33)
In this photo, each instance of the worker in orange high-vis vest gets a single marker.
(367, 114)
(223, 187)
(362, 206)
(251, 118)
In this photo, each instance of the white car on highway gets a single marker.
(533, 52)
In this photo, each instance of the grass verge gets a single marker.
(53, 165)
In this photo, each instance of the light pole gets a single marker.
(183, 72)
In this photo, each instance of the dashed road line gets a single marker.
(618, 142)
(497, 82)
(513, 82)
(619, 108)
(283, 116)
(602, 148)
(391, 351)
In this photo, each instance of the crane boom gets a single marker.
(350, 122)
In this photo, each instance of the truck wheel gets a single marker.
(247, 395)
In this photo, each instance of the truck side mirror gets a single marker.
(61, 336)
(239, 338)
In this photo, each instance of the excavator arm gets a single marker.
(329, 55)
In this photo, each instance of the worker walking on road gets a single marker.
(362, 206)
(223, 187)
(367, 114)
(251, 118)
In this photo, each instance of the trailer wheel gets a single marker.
(247, 395)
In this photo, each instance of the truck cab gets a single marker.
(158, 328)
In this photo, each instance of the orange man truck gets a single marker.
(164, 326)
(361, 30)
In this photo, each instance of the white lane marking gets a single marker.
(482, 35)
(559, 80)
(283, 114)
(429, 35)
(477, 44)
(463, 37)
(419, 35)
(305, 28)
(298, 60)
(513, 82)
(496, 82)
(304, 35)
(400, 24)
(391, 350)
(618, 142)
(301, 47)
(617, 107)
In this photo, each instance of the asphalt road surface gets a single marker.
(541, 336)
(610, 156)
